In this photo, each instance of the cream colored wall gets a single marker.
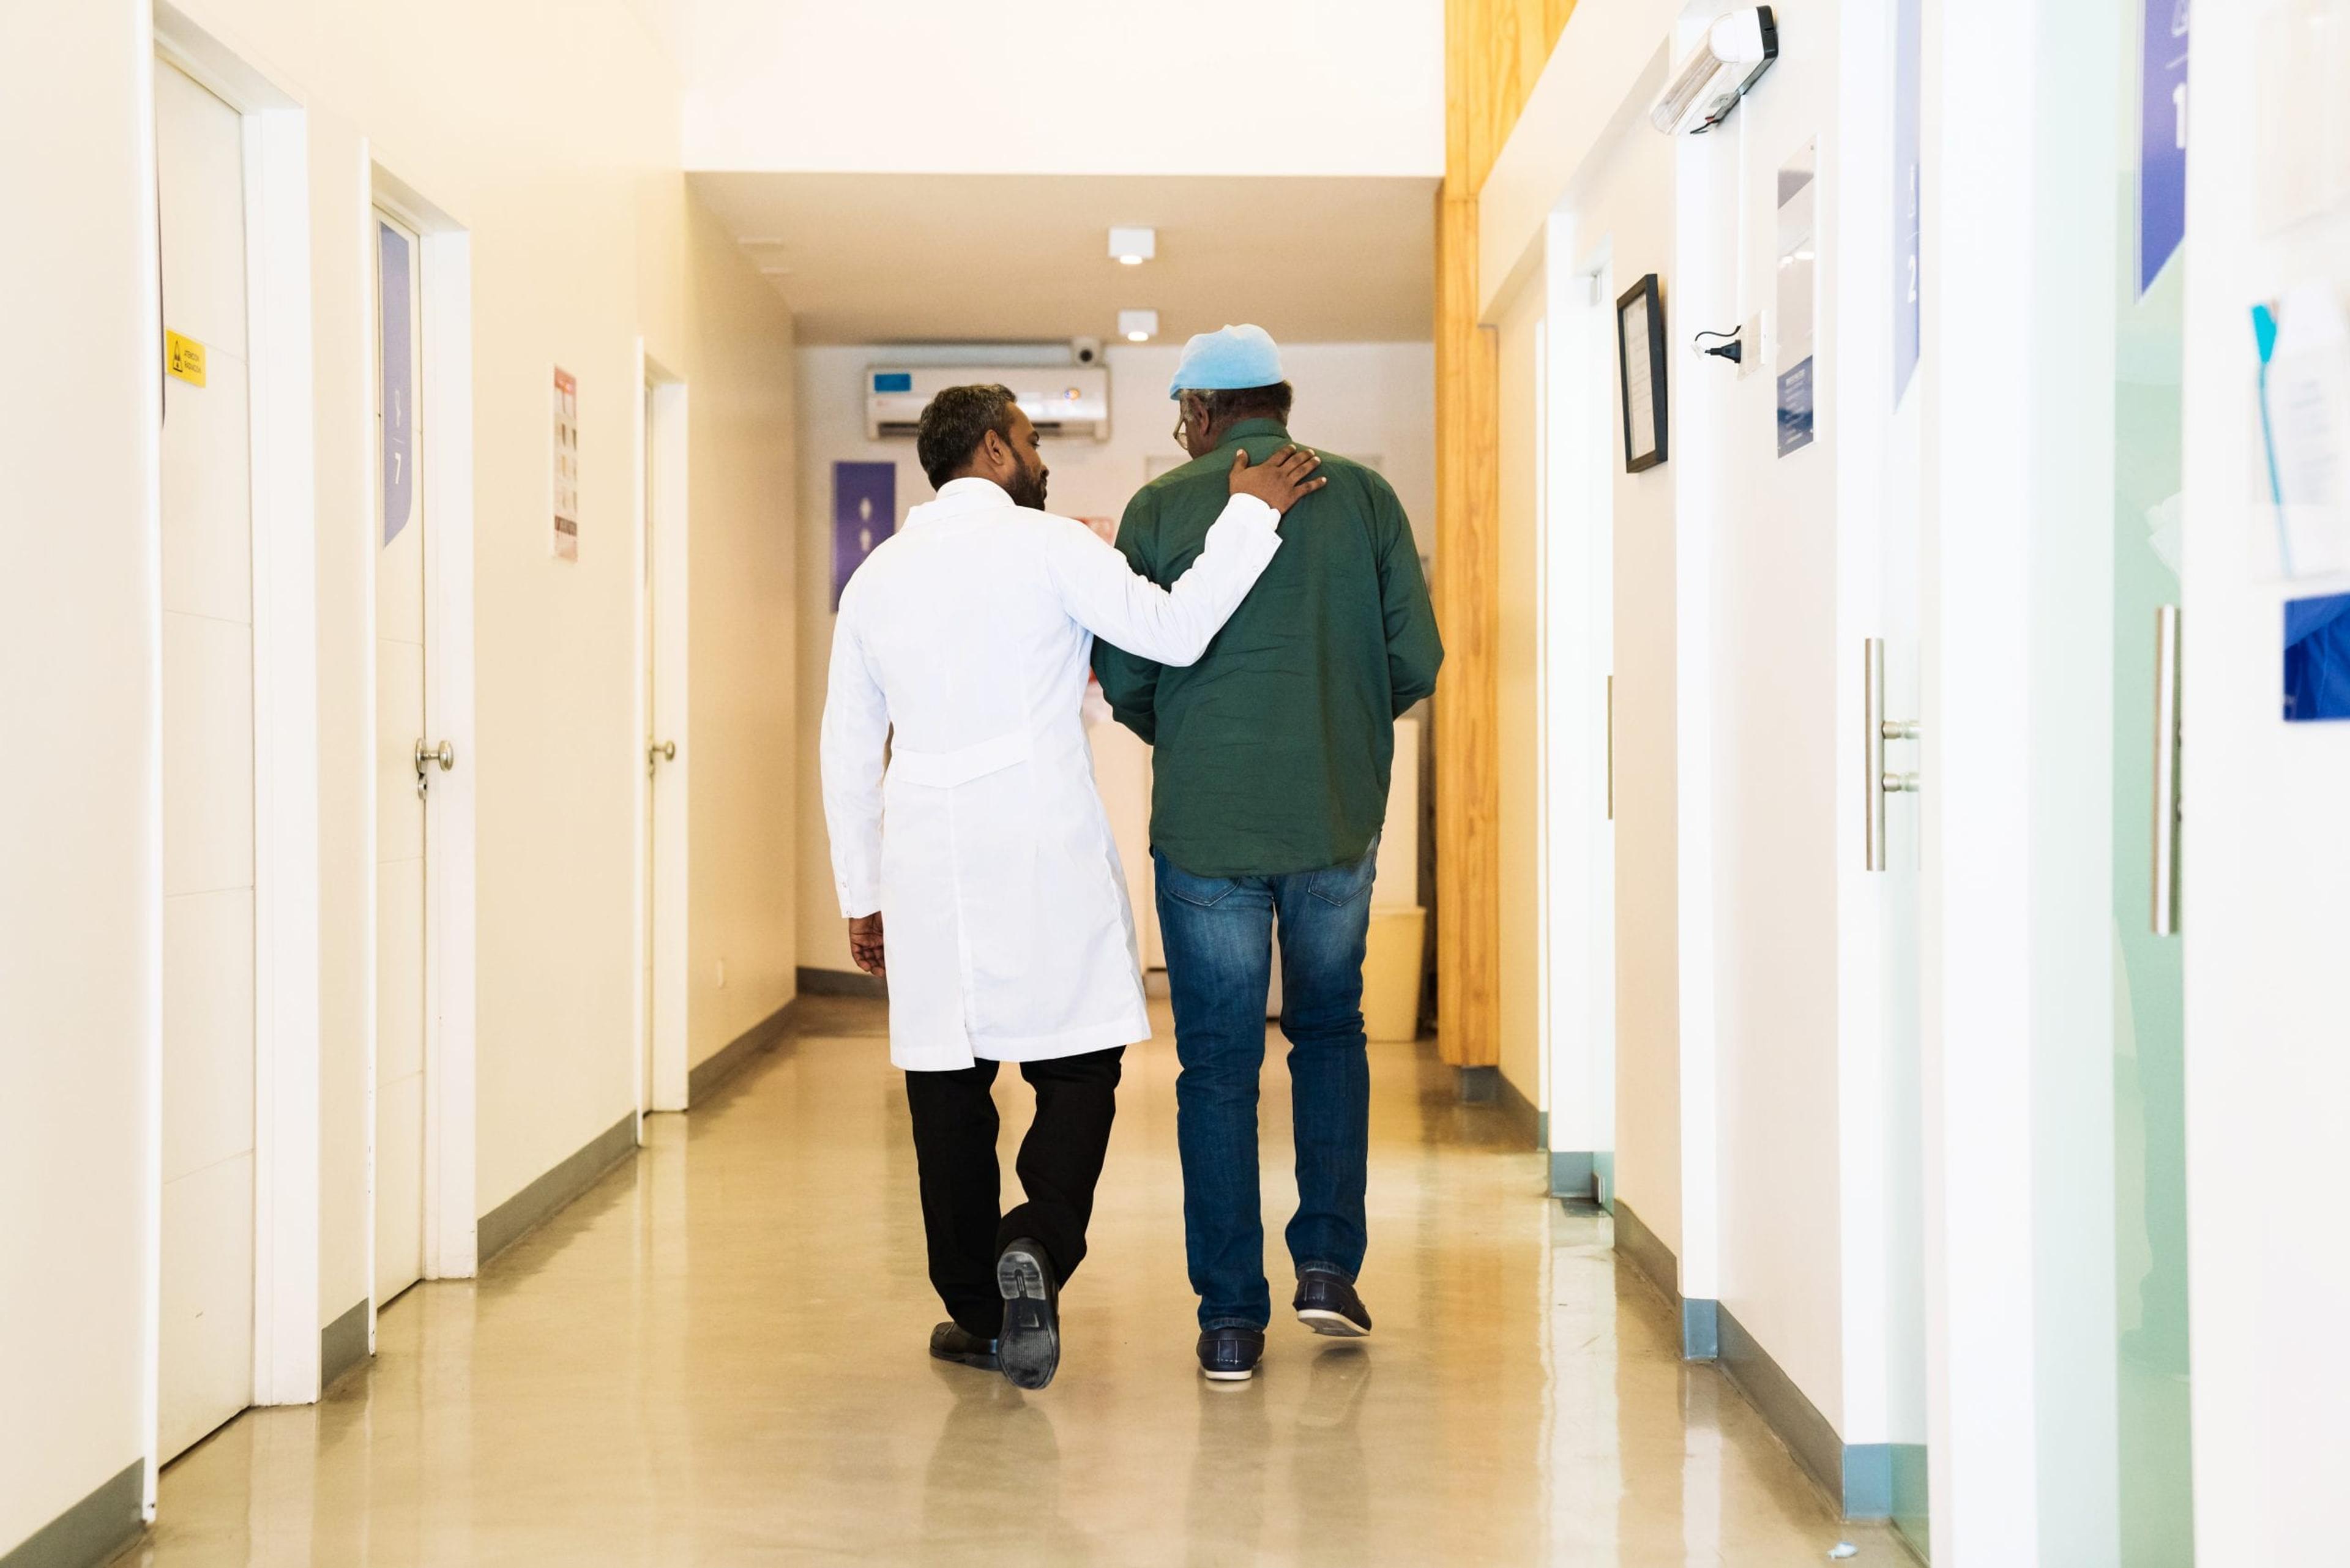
(79, 868)
(1518, 689)
(1359, 398)
(733, 345)
(557, 149)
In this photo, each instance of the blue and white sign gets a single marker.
(398, 418)
(2162, 138)
(1909, 227)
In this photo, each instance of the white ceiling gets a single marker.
(883, 258)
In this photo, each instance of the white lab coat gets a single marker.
(958, 666)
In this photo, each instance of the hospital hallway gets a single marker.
(716, 1356)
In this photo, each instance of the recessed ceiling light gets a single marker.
(1132, 247)
(1137, 326)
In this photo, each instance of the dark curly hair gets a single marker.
(955, 423)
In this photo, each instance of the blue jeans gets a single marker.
(1218, 934)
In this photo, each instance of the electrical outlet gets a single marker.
(1761, 346)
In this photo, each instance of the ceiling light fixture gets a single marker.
(1132, 247)
(1137, 326)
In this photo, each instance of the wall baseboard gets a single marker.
(738, 1054)
(842, 983)
(1573, 1174)
(342, 1345)
(92, 1531)
(1858, 1476)
(544, 1198)
(1517, 1109)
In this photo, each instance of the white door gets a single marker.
(403, 772)
(208, 768)
(652, 1098)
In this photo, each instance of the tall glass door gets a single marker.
(2155, 1494)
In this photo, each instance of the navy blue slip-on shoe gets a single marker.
(952, 1342)
(1327, 1305)
(1231, 1355)
(1029, 1348)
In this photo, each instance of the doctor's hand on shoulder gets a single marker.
(1280, 480)
(865, 944)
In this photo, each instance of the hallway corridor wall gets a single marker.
(557, 151)
(80, 856)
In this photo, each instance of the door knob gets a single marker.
(445, 754)
(665, 751)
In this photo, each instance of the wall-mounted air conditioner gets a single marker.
(1066, 400)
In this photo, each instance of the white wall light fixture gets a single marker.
(1137, 326)
(1132, 247)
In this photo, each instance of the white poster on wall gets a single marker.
(566, 465)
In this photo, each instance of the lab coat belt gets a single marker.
(945, 770)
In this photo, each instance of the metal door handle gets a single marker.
(664, 751)
(1877, 732)
(2166, 771)
(445, 754)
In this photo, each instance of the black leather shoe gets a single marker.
(952, 1342)
(1029, 1348)
(1231, 1355)
(1327, 1305)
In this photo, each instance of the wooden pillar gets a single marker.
(1494, 51)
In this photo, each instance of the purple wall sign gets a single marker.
(864, 512)
(1909, 232)
(2161, 139)
(395, 255)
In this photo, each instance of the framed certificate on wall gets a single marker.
(1640, 360)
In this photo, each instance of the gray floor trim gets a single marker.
(1480, 1086)
(92, 1531)
(1641, 1246)
(1910, 1515)
(737, 1054)
(841, 982)
(1571, 1173)
(507, 1223)
(1700, 1329)
(342, 1344)
(1518, 1109)
(1859, 1478)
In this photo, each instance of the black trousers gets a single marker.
(1060, 1161)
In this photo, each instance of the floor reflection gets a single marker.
(717, 1358)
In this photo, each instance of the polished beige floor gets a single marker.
(717, 1357)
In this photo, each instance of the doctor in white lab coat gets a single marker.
(970, 849)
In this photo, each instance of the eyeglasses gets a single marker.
(1181, 426)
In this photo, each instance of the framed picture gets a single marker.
(1640, 360)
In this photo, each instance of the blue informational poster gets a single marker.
(2317, 659)
(2161, 139)
(1909, 226)
(864, 512)
(396, 255)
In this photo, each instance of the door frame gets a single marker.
(1574, 554)
(282, 505)
(664, 1067)
(446, 495)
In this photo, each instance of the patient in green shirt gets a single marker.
(1270, 783)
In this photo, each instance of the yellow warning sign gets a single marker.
(184, 358)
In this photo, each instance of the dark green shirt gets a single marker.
(1273, 752)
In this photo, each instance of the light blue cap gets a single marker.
(1227, 361)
